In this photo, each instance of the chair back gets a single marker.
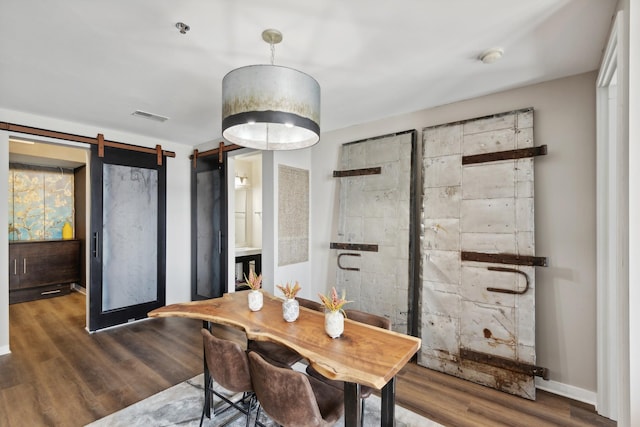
(227, 363)
(284, 394)
(313, 305)
(368, 318)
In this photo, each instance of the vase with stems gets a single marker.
(290, 306)
(254, 298)
(334, 314)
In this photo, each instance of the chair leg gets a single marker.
(250, 409)
(207, 407)
(362, 413)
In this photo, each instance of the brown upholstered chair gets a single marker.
(313, 305)
(369, 319)
(228, 365)
(275, 353)
(292, 398)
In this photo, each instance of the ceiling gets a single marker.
(96, 62)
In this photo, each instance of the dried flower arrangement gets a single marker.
(333, 303)
(290, 291)
(254, 282)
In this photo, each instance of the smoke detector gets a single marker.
(492, 55)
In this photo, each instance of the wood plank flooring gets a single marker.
(60, 375)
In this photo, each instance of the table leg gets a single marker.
(207, 400)
(388, 416)
(352, 405)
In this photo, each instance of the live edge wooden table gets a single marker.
(362, 355)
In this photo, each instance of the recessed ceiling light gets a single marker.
(491, 55)
(150, 116)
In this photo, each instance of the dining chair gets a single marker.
(227, 365)
(310, 304)
(362, 317)
(292, 398)
(274, 353)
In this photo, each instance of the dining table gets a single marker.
(362, 355)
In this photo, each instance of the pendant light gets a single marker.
(270, 107)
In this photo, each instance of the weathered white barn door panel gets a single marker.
(373, 242)
(486, 208)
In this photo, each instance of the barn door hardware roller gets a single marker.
(510, 291)
(504, 363)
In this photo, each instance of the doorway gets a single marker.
(48, 207)
(245, 224)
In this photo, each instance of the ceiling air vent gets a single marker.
(150, 116)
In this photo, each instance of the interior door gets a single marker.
(208, 228)
(376, 218)
(478, 243)
(128, 210)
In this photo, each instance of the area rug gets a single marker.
(181, 405)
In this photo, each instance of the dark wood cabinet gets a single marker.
(42, 269)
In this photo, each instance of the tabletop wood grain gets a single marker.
(362, 354)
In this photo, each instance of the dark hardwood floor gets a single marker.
(60, 375)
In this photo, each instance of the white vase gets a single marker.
(290, 309)
(334, 323)
(255, 300)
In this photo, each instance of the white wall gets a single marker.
(4, 243)
(178, 205)
(632, 23)
(300, 272)
(564, 119)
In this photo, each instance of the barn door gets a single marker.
(208, 228)
(128, 217)
(478, 265)
(374, 242)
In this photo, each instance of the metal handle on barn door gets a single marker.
(96, 239)
(15, 266)
(347, 268)
(24, 266)
(510, 291)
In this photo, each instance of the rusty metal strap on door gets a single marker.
(510, 291)
(354, 246)
(513, 259)
(358, 172)
(504, 363)
(520, 153)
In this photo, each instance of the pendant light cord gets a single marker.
(273, 52)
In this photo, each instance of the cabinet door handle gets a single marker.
(24, 266)
(15, 266)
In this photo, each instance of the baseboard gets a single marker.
(4, 350)
(566, 390)
(78, 288)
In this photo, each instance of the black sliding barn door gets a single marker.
(128, 210)
(208, 228)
